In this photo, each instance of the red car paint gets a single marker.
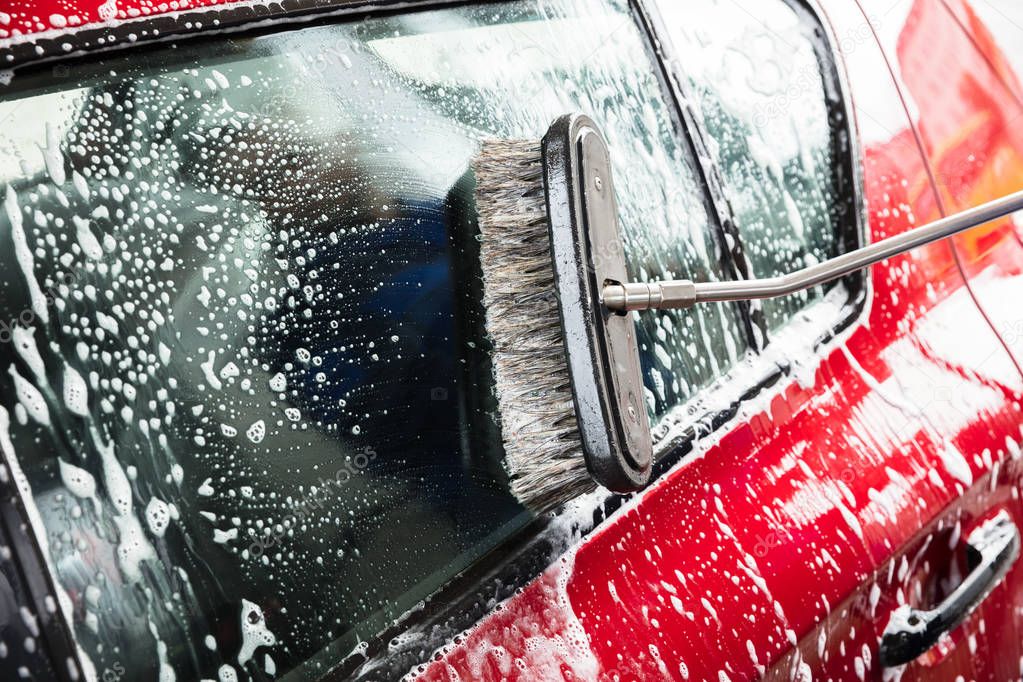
(781, 550)
(41, 16)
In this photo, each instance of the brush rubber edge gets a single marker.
(601, 346)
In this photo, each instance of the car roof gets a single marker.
(43, 30)
(56, 17)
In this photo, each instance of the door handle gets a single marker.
(992, 549)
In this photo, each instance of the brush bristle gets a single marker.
(541, 437)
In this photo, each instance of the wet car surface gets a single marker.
(247, 417)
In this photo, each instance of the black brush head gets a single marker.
(567, 372)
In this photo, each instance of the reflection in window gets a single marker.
(244, 373)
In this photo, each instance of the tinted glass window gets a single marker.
(776, 126)
(242, 367)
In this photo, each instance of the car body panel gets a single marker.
(973, 142)
(986, 44)
(974, 154)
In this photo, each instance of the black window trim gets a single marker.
(18, 532)
(470, 596)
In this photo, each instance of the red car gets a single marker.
(246, 408)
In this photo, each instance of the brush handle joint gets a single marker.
(624, 298)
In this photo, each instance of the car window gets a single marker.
(764, 91)
(243, 373)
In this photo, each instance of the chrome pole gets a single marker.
(685, 293)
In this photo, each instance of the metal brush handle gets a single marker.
(684, 293)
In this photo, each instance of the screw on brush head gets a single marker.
(603, 354)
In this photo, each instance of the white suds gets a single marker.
(23, 255)
(255, 634)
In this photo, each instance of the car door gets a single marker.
(973, 153)
(781, 545)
